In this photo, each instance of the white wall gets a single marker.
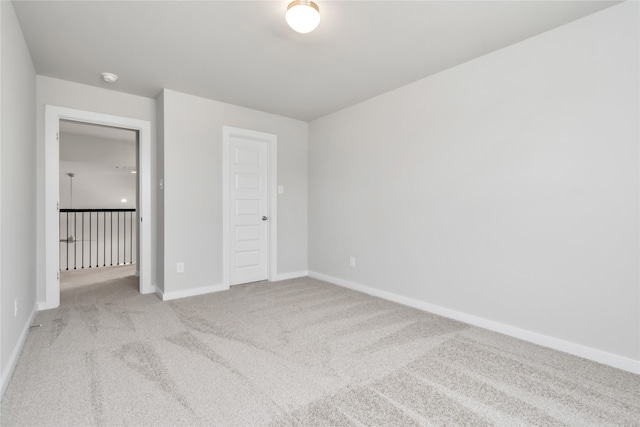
(192, 129)
(97, 183)
(505, 188)
(18, 184)
(88, 98)
(2, 363)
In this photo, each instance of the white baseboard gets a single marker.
(167, 296)
(13, 359)
(151, 290)
(42, 305)
(292, 275)
(585, 352)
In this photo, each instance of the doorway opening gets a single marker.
(55, 117)
(98, 204)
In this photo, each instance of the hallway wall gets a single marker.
(17, 189)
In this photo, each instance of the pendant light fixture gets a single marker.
(71, 175)
(70, 238)
(303, 16)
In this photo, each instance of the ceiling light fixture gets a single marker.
(109, 77)
(303, 16)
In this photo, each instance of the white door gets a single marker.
(249, 209)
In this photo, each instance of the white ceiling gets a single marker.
(243, 53)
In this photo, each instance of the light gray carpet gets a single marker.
(87, 276)
(298, 352)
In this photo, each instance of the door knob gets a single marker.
(264, 218)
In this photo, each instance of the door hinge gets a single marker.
(58, 205)
(57, 136)
(58, 275)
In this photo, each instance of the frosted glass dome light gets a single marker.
(109, 77)
(303, 16)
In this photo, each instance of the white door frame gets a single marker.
(53, 115)
(272, 185)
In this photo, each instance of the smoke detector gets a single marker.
(109, 77)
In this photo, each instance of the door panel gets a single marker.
(248, 182)
(247, 259)
(247, 233)
(247, 207)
